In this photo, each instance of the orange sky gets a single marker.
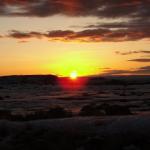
(73, 38)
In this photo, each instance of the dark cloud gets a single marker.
(60, 35)
(139, 71)
(143, 70)
(135, 13)
(24, 35)
(95, 35)
(116, 72)
(135, 23)
(133, 52)
(135, 29)
(140, 60)
(100, 8)
(90, 35)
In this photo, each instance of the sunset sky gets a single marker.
(91, 37)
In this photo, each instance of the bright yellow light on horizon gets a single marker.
(75, 64)
(73, 75)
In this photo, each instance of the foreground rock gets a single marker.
(104, 109)
(82, 133)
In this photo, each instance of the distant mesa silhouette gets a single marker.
(88, 81)
(29, 79)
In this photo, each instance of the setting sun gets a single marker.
(73, 75)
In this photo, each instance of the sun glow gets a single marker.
(75, 61)
(73, 75)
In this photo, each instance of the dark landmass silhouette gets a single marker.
(107, 113)
(91, 80)
(29, 79)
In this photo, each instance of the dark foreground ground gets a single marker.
(79, 133)
(38, 113)
(26, 95)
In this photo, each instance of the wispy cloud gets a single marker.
(90, 35)
(133, 52)
(24, 35)
(140, 60)
(139, 71)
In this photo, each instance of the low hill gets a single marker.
(29, 79)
